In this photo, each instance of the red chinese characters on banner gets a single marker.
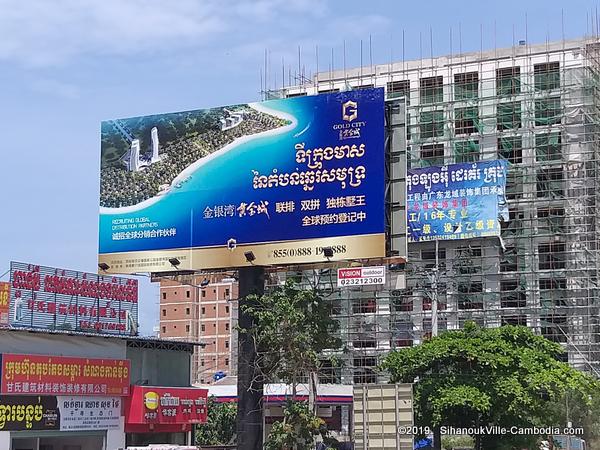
(4, 302)
(62, 375)
(166, 406)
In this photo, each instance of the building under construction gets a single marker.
(535, 106)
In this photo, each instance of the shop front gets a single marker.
(62, 403)
(45, 422)
(159, 415)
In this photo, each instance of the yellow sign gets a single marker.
(4, 302)
(151, 400)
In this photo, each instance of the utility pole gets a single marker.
(250, 384)
(434, 292)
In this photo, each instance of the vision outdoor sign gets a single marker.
(361, 276)
(60, 299)
(284, 179)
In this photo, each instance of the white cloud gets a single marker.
(41, 33)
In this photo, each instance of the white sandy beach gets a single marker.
(189, 171)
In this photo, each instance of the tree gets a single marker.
(293, 327)
(505, 376)
(219, 428)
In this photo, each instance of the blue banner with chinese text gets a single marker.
(456, 201)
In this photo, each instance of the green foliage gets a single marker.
(505, 376)
(220, 426)
(298, 429)
(292, 327)
(450, 442)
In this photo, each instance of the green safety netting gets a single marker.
(548, 146)
(466, 151)
(507, 86)
(547, 80)
(510, 148)
(548, 111)
(466, 91)
(508, 116)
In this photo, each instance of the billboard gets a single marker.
(60, 299)
(456, 201)
(282, 178)
(160, 405)
(64, 375)
(27, 412)
(4, 302)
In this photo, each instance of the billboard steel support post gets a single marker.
(250, 383)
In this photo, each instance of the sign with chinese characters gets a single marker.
(4, 302)
(457, 201)
(60, 299)
(359, 276)
(161, 405)
(283, 178)
(49, 412)
(89, 413)
(63, 375)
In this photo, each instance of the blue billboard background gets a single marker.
(457, 201)
(319, 174)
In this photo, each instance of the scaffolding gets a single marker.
(537, 107)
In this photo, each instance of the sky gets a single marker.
(66, 65)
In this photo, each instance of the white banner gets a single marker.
(360, 276)
(89, 413)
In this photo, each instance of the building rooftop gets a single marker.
(132, 341)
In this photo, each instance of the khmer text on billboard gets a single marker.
(68, 300)
(456, 201)
(283, 178)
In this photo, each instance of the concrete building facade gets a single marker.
(203, 309)
(537, 107)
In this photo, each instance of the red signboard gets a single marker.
(60, 299)
(62, 375)
(4, 302)
(156, 406)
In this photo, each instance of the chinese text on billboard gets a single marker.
(59, 299)
(457, 201)
(63, 375)
(284, 178)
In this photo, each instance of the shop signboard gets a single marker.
(283, 178)
(89, 413)
(48, 412)
(456, 201)
(361, 276)
(4, 302)
(58, 299)
(63, 375)
(21, 412)
(166, 406)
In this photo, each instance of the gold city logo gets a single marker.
(349, 111)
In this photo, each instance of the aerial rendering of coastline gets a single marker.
(143, 157)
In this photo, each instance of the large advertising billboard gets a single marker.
(60, 299)
(64, 375)
(456, 201)
(283, 178)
